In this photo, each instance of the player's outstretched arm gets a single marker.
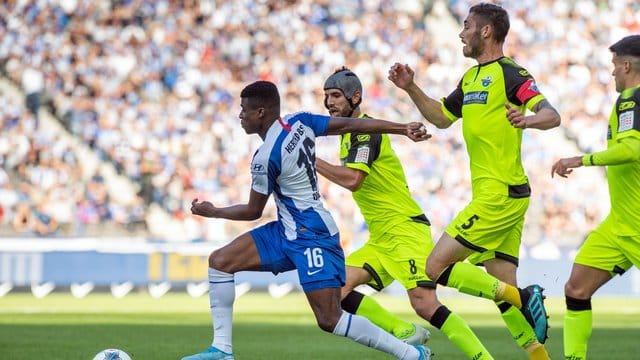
(250, 211)
(402, 76)
(415, 131)
(626, 150)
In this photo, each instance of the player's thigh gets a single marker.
(238, 255)
(269, 245)
(490, 225)
(602, 250)
(368, 259)
(404, 257)
(630, 246)
(319, 262)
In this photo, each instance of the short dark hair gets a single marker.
(627, 46)
(494, 15)
(262, 93)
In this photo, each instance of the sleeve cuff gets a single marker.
(587, 160)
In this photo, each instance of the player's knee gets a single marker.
(575, 290)
(218, 261)
(424, 302)
(326, 323)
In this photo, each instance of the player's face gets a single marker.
(620, 65)
(250, 116)
(336, 103)
(470, 36)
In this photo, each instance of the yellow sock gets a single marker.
(510, 294)
(537, 351)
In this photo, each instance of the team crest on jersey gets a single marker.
(362, 156)
(625, 121)
(486, 81)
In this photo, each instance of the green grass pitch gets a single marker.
(60, 326)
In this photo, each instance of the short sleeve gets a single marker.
(318, 123)
(452, 104)
(364, 150)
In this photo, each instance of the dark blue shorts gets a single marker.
(320, 262)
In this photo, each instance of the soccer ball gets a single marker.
(112, 354)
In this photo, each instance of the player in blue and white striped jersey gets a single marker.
(305, 236)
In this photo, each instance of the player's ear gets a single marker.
(486, 31)
(357, 96)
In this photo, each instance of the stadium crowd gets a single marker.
(152, 87)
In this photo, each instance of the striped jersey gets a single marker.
(285, 165)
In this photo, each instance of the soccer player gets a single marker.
(490, 98)
(614, 246)
(400, 233)
(305, 236)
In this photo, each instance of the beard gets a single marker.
(473, 47)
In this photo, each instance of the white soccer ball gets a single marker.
(112, 354)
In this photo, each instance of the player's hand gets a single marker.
(416, 131)
(564, 167)
(203, 208)
(515, 117)
(401, 75)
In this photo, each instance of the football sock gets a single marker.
(363, 331)
(459, 333)
(537, 351)
(521, 331)
(222, 293)
(577, 328)
(470, 279)
(510, 294)
(358, 303)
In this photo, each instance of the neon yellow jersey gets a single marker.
(624, 179)
(493, 144)
(383, 198)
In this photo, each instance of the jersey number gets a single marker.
(469, 224)
(314, 257)
(307, 158)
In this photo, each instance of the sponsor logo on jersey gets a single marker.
(475, 97)
(257, 169)
(362, 156)
(625, 121)
(486, 81)
(626, 105)
(609, 132)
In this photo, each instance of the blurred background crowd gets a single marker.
(145, 96)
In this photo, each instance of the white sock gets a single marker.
(222, 294)
(363, 331)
